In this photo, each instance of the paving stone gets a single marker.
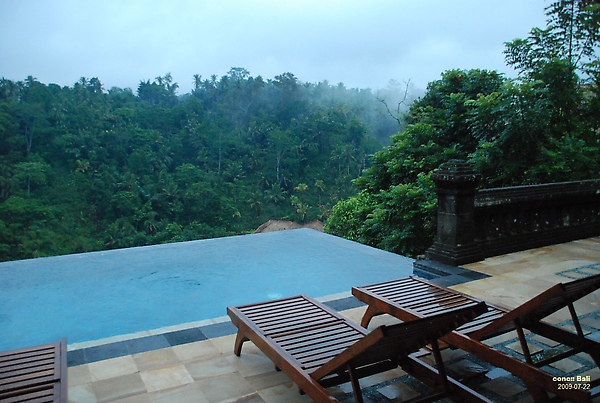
(398, 392)
(567, 365)
(497, 373)
(546, 341)
(590, 271)
(591, 321)
(574, 275)
(572, 329)
(166, 378)
(155, 359)
(501, 338)
(594, 336)
(533, 349)
(119, 387)
(503, 387)
(226, 387)
(593, 373)
(191, 392)
(82, 393)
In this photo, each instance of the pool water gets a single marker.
(95, 295)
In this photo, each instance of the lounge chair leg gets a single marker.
(439, 363)
(595, 356)
(239, 340)
(358, 398)
(369, 313)
(523, 342)
(575, 320)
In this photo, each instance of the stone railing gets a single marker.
(473, 225)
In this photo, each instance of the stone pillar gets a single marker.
(456, 183)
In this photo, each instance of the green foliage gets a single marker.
(541, 127)
(572, 34)
(84, 169)
(399, 219)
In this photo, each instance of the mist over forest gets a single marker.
(85, 168)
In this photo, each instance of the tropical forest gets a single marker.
(86, 168)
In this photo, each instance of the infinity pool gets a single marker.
(95, 295)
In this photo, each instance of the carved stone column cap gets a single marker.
(456, 172)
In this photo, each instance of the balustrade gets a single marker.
(473, 225)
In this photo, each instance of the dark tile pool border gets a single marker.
(147, 343)
(444, 274)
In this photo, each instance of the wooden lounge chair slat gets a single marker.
(324, 355)
(407, 293)
(418, 303)
(329, 348)
(325, 321)
(303, 343)
(10, 360)
(309, 334)
(325, 347)
(34, 374)
(271, 321)
(27, 362)
(434, 310)
(27, 352)
(496, 320)
(266, 314)
(293, 318)
(411, 290)
(380, 287)
(22, 381)
(428, 300)
(42, 394)
(268, 305)
(24, 371)
(27, 366)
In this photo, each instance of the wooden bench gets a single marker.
(34, 374)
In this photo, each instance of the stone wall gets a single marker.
(474, 224)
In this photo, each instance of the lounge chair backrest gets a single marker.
(570, 292)
(399, 340)
(553, 299)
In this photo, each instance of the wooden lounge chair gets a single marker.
(34, 374)
(317, 347)
(413, 298)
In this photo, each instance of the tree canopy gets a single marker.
(84, 168)
(540, 127)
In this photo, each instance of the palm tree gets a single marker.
(197, 81)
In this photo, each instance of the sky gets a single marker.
(361, 43)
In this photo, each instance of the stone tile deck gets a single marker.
(208, 371)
